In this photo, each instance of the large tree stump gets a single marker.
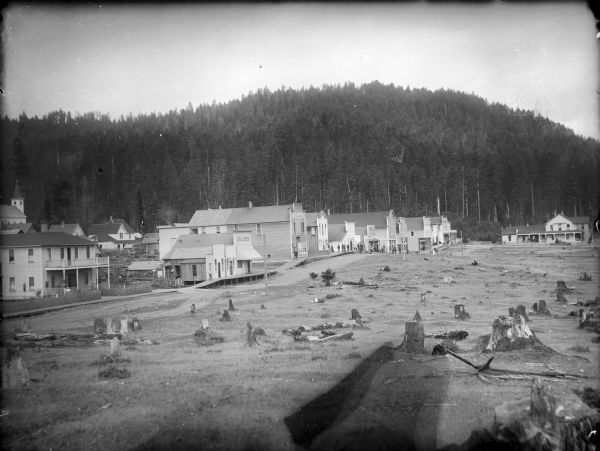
(414, 337)
(511, 311)
(510, 334)
(562, 286)
(560, 297)
(114, 326)
(355, 314)
(460, 312)
(521, 310)
(543, 309)
(231, 307)
(549, 420)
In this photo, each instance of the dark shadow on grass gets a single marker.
(382, 404)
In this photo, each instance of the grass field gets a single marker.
(356, 393)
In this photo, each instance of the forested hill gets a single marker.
(344, 148)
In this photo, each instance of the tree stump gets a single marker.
(549, 420)
(460, 312)
(562, 286)
(100, 326)
(231, 307)
(262, 307)
(543, 309)
(115, 349)
(251, 335)
(417, 317)
(355, 314)
(193, 309)
(225, 316)
(511, 311)
(521, 310)
(205, 324)
(14, 371)
(509, 334)
(560, 297)
(534, 307)
(414, 337)
(585, 277)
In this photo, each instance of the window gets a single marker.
(397, 228)
(301, 226)
(62, 253)
(30, 255)
(87, 252)
(509, 237)
(412, 233)
(194, 271)
(49, 253)
(31, 282)
(12, 284)
(218, 229)
(568, 226)
(11, 255)
(203, 229)
(239, 264)
(258, 229)
(120, 236)
(76, 252)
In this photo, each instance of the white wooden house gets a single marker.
(560, 229)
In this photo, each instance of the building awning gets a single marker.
(247, 252)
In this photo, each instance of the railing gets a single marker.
(124, 290)
(50, 300)
(77, 263)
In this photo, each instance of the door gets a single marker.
(219, 270)
(68, 253)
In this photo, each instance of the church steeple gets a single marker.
(17, 199)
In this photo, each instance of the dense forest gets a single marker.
(343, 148)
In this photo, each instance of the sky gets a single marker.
(121, 59)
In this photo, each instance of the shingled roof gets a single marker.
(42, 239)
(376, 218)
(247, 215)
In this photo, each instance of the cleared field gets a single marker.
(229, 396)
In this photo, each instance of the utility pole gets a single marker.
(265, 264)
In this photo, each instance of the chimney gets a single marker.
(249, 204)
(219, 207)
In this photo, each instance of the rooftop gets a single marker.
(42, 239)
(246, 215)
(376, 218)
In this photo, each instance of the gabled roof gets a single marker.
(247, 215)
(43, 239)
(69, 229)
(414, 223)
(311, 219)
(150, 265)
(10, 211)
(376, 218)
(579, 219)
(181, 253)
(150, 238)
(513, 230)
(435, 220)
(128, 228)
(25, 227)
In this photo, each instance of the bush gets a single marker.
(327, 276)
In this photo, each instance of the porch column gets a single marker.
(64, 281)
(77, 278)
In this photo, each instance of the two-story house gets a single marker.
(561, 228)
(115, 234)
(281, 229)
(375, 230)
(40, 264)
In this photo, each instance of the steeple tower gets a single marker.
(17, 199)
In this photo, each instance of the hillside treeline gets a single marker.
(344, 148)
